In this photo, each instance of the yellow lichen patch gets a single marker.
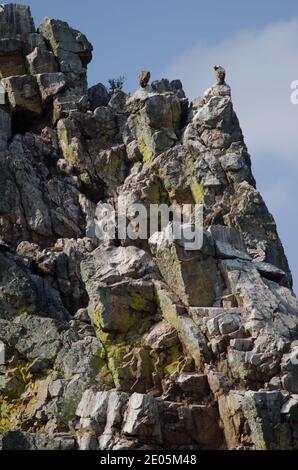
(65, 144)
(153, 193)
(168, 187)
(197, 192)
(22, 309)
(127, 359)
(9, 414)
(140, 301)
(144, 151)
(85, 178)
(174, 359)
(96, 317)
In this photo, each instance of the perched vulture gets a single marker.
(220, 74)
(144, 78)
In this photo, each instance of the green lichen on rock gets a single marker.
(10, 413)
(145, 152)
(168, 185)
(173, 361)
(64, 137)
(22, 309)
(140, 301)
(197, 192)
(127, 358)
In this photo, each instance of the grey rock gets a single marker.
(10, 386)
(41, 61)
(98, 96)
(216, 109)
(193, 384)
(118, 296)
(38, 202)
(80, 358)
(17, 440)
(32, 41)
(50, 84)
(40, 338)
(289, 368)
(198, 343)
(228, 324)
(133, 152)
(290, 408)
(162, 336)
(5, 129)
(154, 125)
(118, 101)
(142, 418)
(38, 365)
(11, 57)
(262, 410)
(229, 243)
(270, 272)
(56, 388)
(243, 344)
(191, 274)
(23, 93)
(190, 335)
(15, 20)
(232, 162)
(61, 36)
(217, 382)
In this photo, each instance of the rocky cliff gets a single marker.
(135, 343)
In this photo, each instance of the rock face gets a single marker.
(133, 343)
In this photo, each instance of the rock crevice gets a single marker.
(133, 343)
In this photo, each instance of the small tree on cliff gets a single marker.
(116, 83)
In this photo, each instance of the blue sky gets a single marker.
(257, 41)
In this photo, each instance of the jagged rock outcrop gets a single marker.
(133, 343)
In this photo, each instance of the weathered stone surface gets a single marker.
(132, 343)
(61, 36)
(22, 292)
(228, 243)
(122, 423)
(262, 411)
(164, 86)
(191, 336)
(50, 84)
(162, 336)
(11, 57)
(154, 122)
(40, 338)
(29, 441)
(191, 274)
(98, 96)
(15, 20)
(33, 206)
(23, 93)
(118, 290)
(41, 61)
(142, 418)
(105, 168)
(193, 384)
(72, 50)
(5, 128)
(271, 272)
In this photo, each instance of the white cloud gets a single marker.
(261, 66)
